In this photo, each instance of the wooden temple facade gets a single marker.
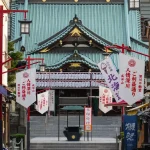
(71, 37)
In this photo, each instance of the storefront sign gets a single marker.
(51, 100)
(88, 119)
(105, 97)
(42, 102)
(130, 132)
(26, 87)
(111, 77)
(131, 75)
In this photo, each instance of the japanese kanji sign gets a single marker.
(51, 100)
(26, 87)
(111, 76)
(88, 119)
(130, 132)
(105, 97)
(42, 102)
(131, 75)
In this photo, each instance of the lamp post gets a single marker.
(29, 59)
(1, 63)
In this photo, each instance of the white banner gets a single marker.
(26, 87)
(42, 102)
(88, 119)
(131, 75)
(51, 100)
(105, 97)
(111, 77)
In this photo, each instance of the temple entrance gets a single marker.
(73, 93)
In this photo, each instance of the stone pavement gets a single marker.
(64, 140)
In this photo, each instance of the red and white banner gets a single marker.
(26, 87)
(111, 77)
(88, 119)
(42, 102)
(131, 75)
(105, 97)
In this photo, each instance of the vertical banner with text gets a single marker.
(26, 87)
(105, 97)
(111, 77)
(51, 100)
(131, 75)
(42, 102)
(130, 132)
(88, 119)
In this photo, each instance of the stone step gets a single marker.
(73, 146)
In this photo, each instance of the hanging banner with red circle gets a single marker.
(105, 97)
(131, 78)
(42, 102)
(26, 87)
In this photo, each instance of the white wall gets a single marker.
(5, 4)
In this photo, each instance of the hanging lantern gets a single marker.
(24, 26)
(42, 67)
(22, 49)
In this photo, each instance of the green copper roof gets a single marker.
(75, 57)
(75, 23)
(106, 21)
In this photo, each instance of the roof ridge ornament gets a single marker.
(75, 20)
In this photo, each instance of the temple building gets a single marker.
(71, 37)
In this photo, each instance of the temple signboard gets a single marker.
(88, 119)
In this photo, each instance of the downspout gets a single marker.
(126, 11)
(23, 35)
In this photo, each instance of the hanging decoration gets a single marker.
(105, 97)
(26, 87)
(111, 77)
(131, 78)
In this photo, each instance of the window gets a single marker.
(134, 4)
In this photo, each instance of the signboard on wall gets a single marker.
(88, 119)
(51, 100)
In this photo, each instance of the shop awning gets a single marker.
(134, 111)
(122, 103)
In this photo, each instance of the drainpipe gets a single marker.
(126, 11)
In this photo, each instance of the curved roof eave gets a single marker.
(84, 60)
(51, 40)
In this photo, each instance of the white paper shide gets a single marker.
(131, 78)
(111, 77)
(26, 87)
(105, 97)
(42, 102)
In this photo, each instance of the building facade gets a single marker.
(71, 37)
(5, 107)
